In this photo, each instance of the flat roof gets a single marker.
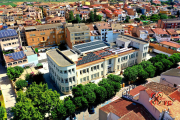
(46, 26)
(28, 50)
(126, 38)
(59, 58)
(172, 72)
(68, 52)
(90, 46)
(78, 28)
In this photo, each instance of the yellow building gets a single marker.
(165, 11)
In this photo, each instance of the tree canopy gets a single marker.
(143, 17)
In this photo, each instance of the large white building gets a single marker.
(94, 60)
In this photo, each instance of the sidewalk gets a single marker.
(7, 91)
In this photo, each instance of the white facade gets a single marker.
(143, 34)
(162, 37)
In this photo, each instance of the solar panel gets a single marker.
(7, 33)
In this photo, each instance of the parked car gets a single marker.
(91, 110)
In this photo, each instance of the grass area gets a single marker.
(3, 104)
(8, 3)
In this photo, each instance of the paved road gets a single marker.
(7, 91)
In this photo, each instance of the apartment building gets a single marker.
(9, 39)
(57, 11)
(45, 35)
(169, 23)
(21, 57)
(105, 29)
(174, 34)
(93, 60)
(77, 33)
(161, 35)
(33, 12)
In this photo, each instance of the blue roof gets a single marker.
(7, 33)
(16, 55)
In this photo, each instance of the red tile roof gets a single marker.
(127, 109)
(149, 92)
(136, 90)
(172, 44)
(175, 95)
(172, 31)
(159, 31)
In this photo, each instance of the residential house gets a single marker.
(9, 40)
(21, 57)
(94, 33)
(117, 30)
(77, 33)
(161, 35)
(54, 11)
(174, 34)
(171, 78)
(52, 20)
(169, 23)
(45, 35)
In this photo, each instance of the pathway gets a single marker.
(7, 91)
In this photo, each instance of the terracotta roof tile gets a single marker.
(136, 90)
(159, 31)
(175, 95)
(172, 31)
(149, 92)
(127, 109)
(160, 88)
(172, 44)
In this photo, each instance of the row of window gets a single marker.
(92, 68)
(62, 71)
(66, 89)
(66, 80)
(93, 76)
(144, 54)
(145, 48)
(14, 63)
(9, 39)
(13, 43)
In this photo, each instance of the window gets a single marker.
(109, 61)
(87, 77)
(53, 36)
(60, 71)
(65, 72)
(70, 87)
(98, 74)
(118, 59)
(70, 80)
(87, 69)
(67, 89)
(32, 39)
(73, 70)
(102, 65)
(66, 80)
(38, 39)
(73, 78)
(48, 38)
(81, 80)
(84, 79)
(136, 54)
(84, 71)
(97, 66)
(91, 76)
(19, 61)
(118, 67)
(94, 75)
(14, 63)
(101, 72)
(91, 68)
(69, 70)
(80, 72)
(94, 67)
(71, 34)
(63, 89)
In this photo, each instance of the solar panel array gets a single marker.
(7, 33)
(16, 55)
(89, 58)
(90, 46)
(104, 54)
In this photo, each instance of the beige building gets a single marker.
(9, 39)
(77, 33)
(93, 60)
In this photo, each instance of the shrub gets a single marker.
(0, 92)
(14, 72)
(2, 112)
(20, 84)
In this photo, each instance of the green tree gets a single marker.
(103, 82)
(115, 78)
(95, 15)
(163, 16)
(78, 19)
(127, 19)
(137, 19)
(142, 74)
(83, 21)
(99, 18)
(151, 70)
(58, 111)
(91, 16)
(78, 90)
(110, 90)
(167, 64)
(159, 67)
(13, 73)
(70, 107)
(130, 73)
(21, 83)
(36, 50)
(71, 16)
(154, 17)
(101, 94)
(26, 111)
(2, 112)
(18, 68)
(89, 95)
(145, 64)
(116, 86)
(143, 17)
(81, 102)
